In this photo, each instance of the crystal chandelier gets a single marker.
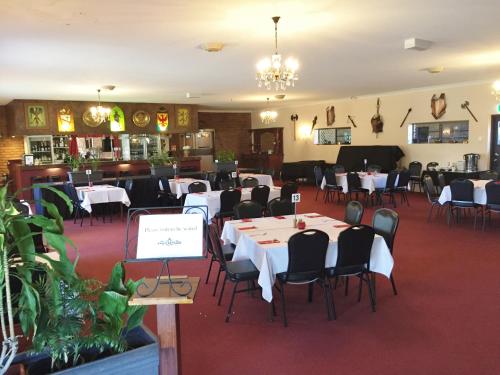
(496, 90)
(100, 113)
(273, 72)
(268, 116)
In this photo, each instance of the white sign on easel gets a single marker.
(170, 236)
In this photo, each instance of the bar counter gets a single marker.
(23, 176)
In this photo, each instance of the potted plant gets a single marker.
(67, 318)
(76, 176)
(225, 161)
(162, 165)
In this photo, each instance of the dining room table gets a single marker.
(180, 186)
(264, 179)
(211, 199)
(265, 242)
(479, 192)
(99, 194)
(369, 180)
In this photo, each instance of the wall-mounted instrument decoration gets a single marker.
(330, 115)
(377, 122)
(438, 105)
(315, 120)
(294, 118)
(465, 105)
(351, 119)
(403, 122)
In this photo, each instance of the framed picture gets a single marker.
(65, 120)
(29, 159)
(36, 116)
(117, 120)
(162, 121)
(183, 117)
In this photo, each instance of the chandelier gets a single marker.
(268, 116)
(496, 90)
(100, 113)
(273, 71)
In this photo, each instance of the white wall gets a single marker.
(393, 109)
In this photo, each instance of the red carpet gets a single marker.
(444, 320)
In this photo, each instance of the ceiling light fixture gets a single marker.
(496, 90)
(100, 113)
(273, 72)
(268, 116)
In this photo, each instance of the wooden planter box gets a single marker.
(144, 359)
(225, 166)
(80, 177)
(163, 171)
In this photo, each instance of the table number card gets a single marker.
(296, 198)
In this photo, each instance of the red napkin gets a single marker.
(497, 182)
(314, 216)
(246, 220)
(341, 226)
(280, 217)
(247, 228)
(268, 242)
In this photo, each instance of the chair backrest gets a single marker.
(318, 175)
(223, 180)
(129, 183)
(462, 190)
(415, 168)
(493, 193)
(288, 189)
(429, 187)
(216, 247)
(374, 168)
(488, 175)
(250, 182)
(339, 168)
(404, 178)
(260, 194)
(197, 187)
(385, 223)
(431, 166)
(307, 255)
(353, 181)
(441, 180)
(354, 249)
(392, 176)
(279, 207)
(227, 184)
(165, 185)
(353, 213)
(70, 191)
(330, 178)
(228, 199)
(247, 210)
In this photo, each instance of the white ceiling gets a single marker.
(149, 49)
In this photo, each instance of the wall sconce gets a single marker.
(496, 90)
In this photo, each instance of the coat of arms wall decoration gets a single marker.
(438, 105)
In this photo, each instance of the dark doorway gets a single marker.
(495, 143)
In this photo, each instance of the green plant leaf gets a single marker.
(135, 316)
(113, 303)
(115, 282)
(28, 307)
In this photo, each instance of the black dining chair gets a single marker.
(441, 182)
(247, 210)
(306, 265)
(339, 168)
(331, 186)
(374, 168)
(353, 259)
(402, 185)
(235, 271)
(385, 222)
(288, 189)
(488, 175)
(228, 199)
(432, 196)
(492, 200)
(432, 166)
(260, 194)
(281, 207)
(318, 179)
(227, 251)
(415, 168)
(389, 189)
(78, 210)
(354, 186)
(227, 184)
(197, 187)
(462, 198)
(166, 197)
(353, 213)
(224, 181)
(249, 182)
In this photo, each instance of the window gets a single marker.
(439, 132)
(332, 136)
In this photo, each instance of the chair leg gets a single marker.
(374, 286)
(217, 281)
(222, 290)
(282, 297)
(393, 283)
(209, 269)
(327, 298)
(360, 287)
(334, 313)
(228, 315)
(370, 290)
(346, 291)
(310, 292)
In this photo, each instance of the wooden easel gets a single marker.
(167, 317)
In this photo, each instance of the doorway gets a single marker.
(495, 143)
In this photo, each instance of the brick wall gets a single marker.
(231, 130)
(10, 148)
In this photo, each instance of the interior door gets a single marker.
(495, 143)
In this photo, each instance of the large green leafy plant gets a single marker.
(225, 156)
(62, 313)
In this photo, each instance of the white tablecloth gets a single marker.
(180, 186)
(101, 194)
(264, 179)
(271, 259)
(212, 199)
(368, 181)
(479, 192)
